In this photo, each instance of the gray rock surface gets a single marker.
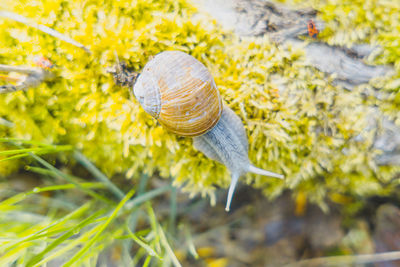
(284, 24)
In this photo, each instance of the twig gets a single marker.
(6, 123)
(42, 28)
(348, 259)
(33, 77)
(9, 79)
(20, 69)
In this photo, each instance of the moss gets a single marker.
(372, 22)
(298, 123)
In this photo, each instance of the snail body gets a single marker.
(178, 90)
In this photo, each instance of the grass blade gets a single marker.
(161, 236)
(168, 248)
(134, 215)
(24, 152)
(173, 210)
(190, 244)
(102, 228)
(77, 242)
(98, 175)
(57, 172)
(22, 155)
(64, 237)
(141, 243)
(147, 196)
(47, 228)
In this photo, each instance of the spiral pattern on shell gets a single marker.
(179, 91)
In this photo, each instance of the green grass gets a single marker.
(76, 221)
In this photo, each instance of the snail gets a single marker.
(179, 91)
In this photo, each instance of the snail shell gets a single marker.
(182, 96)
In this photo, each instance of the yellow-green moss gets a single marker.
(372, 22)
(307, 130)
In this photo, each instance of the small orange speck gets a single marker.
(312, 29)
(275, 92)
(43, 62)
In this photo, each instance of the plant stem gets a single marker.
(99, 175)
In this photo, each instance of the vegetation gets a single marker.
(298, 123)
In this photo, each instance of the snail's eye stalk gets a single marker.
(231, 191)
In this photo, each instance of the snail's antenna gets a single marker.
(256, 170)
(235, 178)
